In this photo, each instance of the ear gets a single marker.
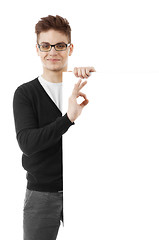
(71, 49)
(37, 49)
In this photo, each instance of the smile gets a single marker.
(54, 60)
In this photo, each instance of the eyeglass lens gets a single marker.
(45, 47)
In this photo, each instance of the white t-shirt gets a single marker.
(54, 90)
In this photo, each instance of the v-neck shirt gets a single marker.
(54, 90)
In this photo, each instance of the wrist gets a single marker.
(70, 118)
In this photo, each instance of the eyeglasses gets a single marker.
(46, 47)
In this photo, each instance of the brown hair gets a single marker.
(57, 23)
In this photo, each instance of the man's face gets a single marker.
(54, 60)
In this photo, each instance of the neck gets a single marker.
(53, 76)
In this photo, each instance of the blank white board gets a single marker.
(111, 159)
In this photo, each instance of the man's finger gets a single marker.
(88, 72)
(75, 71)
(92, 69)
(82, 85)
(84, 75)
(84, 103)
(79, 82)
(80, 94)
(80, 73)
(76, 88)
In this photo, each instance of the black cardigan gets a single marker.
(39, 126)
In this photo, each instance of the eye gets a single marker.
(60, 46)
(45, 46)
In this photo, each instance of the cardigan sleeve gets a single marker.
(32, 139)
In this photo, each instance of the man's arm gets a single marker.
(32, 139)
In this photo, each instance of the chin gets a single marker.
(56, 69)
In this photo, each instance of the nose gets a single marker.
(53, 51)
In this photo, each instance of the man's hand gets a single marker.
(75, 109)
(83, 72)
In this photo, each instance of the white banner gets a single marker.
(111, 159)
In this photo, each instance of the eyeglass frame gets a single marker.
(53, 45)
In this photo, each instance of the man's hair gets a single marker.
(56, 23)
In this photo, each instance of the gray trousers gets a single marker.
(41, 215)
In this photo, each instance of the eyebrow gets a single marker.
(52, 44)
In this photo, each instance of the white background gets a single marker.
(113, 36)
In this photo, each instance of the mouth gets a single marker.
(53, 60)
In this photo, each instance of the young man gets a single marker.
(40, 125)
